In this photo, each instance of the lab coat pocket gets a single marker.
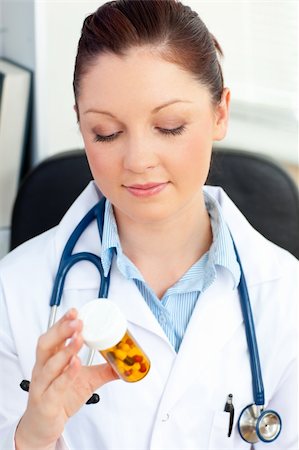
(218, 438)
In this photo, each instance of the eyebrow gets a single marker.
(95, 111)
(170, 102)
(154, 111)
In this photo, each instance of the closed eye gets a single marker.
(109, 138)
(165, 131)
(172, 131)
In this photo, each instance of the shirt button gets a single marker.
(165, 417)
(162, 319)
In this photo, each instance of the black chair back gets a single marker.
(264, 193)
(46, 193)
(260, 188)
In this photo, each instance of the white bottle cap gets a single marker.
(104, 325)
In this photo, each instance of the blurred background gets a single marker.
(260, 44)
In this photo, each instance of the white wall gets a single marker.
(18, 31)
(17, 39)
(260, 44)
(47, 33)
(58, 26)
(1, 29)
(42, 35)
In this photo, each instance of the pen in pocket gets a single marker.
(229, 407)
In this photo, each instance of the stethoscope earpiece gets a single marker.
(95, 398)
(257, 425)
(25, 384)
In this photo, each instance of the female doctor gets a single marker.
(150, 102)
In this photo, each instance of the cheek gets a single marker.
(94, 153)
(197, 156)
(93, 160)
(101, 168)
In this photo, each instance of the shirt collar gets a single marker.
(110, 240)
(221, 252)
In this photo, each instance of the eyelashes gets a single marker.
(111, 137)
(164, 131)
(172, 131)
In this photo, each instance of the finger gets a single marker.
(51, 341)
(70, 315)
(83, 381)
(99, 375)
(58, 363)
(55, 399)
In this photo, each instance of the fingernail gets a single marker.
(73, 360)
(70, 313)
(74, 337)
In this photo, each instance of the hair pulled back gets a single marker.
(174, 30)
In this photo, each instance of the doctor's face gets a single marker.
(148, 128)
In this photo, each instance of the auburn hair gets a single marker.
(172, 29)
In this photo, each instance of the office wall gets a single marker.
(260, 44)
(17, 43)
(18, 35)
(59, 30)
(43, 35)
(1, 29)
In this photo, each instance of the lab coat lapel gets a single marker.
(127, 296)
(215, 319)
(90, 240)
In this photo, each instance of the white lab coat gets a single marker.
(180, 404)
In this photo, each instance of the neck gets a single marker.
(164, 251)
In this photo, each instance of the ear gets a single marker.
(77, 112)
(221, 116)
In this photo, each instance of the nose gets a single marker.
(139, 155)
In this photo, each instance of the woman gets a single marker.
(150, 102)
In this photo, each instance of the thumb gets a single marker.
(99, 375)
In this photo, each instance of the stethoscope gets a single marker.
(255, 424)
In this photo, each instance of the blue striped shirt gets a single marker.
(175, 308)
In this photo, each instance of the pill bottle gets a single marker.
(105, 330)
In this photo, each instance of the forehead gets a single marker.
(141, 75)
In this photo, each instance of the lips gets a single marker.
(147, 189)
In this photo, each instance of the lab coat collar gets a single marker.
(255, 265)
(255, 256)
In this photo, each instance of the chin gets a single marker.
(144, 213)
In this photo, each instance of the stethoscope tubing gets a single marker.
(257, 379)
(68, 260)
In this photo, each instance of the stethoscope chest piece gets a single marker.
(257, 425)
